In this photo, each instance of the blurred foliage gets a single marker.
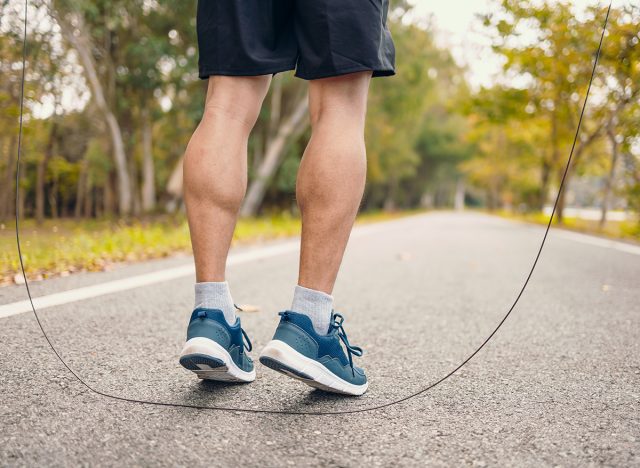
(431, 138)
(548, 49)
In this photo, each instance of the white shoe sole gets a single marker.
(281, 357)
(210, 361)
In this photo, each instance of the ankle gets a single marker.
(316, 305)
(216, 295)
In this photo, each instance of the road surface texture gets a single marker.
(559, 385)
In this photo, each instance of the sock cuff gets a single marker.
(212, 284)
(316, 305)
(307, 293)
(215, 295)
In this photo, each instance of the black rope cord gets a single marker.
(291, 412)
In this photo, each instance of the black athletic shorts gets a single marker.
(318, 38)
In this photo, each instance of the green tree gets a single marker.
(401, 129)
(506, 139)
(550, 48)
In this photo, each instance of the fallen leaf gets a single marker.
(249, 308)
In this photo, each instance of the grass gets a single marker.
(622, 230)
(64, 246)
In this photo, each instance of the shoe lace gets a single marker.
(246, 341)
(338, 319)
(351, 349)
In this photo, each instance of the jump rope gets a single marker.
(289, 412)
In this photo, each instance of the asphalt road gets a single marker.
(559, 385)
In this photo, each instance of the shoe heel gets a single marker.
(210, 361)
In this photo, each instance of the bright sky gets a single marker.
(459, 29)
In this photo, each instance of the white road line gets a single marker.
(579, 237)
(252, 254)
(137, 281)
(597, 241)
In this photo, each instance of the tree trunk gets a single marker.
(275, 108)
(77, 37)
(264, 137)
(580, 148)
(41, 172)
(148, 170)
(7, 188)
(109, 196)
(258, 150)
(81, 188)
(562, 199)
(53, 198)
(174, 185)
(548, 166)
(293, 125)
(21, 202)
(136, 203)
(608, 187)
(545, 178)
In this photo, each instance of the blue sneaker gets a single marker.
(215, 350)
(298, 351)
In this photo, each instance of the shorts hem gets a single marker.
(205, 73)
(319, 74)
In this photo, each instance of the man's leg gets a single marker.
(215, 180)
(329, 188)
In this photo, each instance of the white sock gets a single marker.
(316, 305)
(216, 296)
